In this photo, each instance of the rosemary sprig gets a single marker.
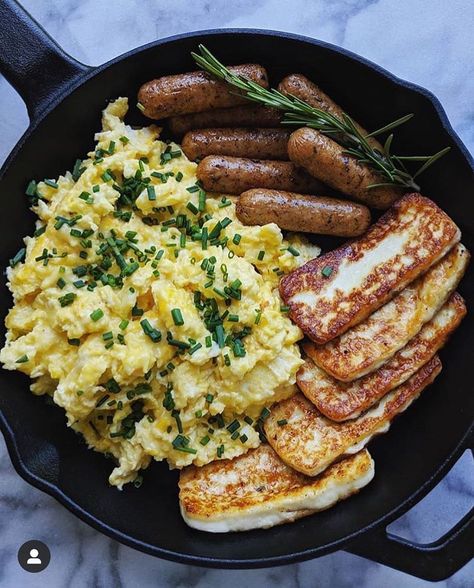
(343, 130)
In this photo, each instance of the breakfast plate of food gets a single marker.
(236, 297)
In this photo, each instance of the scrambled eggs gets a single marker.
(147, 310)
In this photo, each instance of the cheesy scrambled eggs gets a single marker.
(147, 310)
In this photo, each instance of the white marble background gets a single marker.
(429, 42)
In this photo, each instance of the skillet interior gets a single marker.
(54, 458)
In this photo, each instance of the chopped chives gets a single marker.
(237, 238)
(84, 196)
(220, 451)
(140, 107)
(195, 348)
(18, 257)
(264, 414)
(151, 192)
(51, 184)
(293, 251)
(124, 140)
(248, 420)
(193, 188)
(67, 299)
(97, 314)
(205, 440)
(258, 316)
(31, 188)
(284, 308)
(202, 201)
(22, 359)
(179, 177)
(150, 331)
(208, 341)
(61, 283)
(227, 361)
(107, 336)
(261, 255)
(244, 438)
(96, 188)
(209, 398)
(233, 318)
(198, 414)
(123, 324)
(220, 336)
(177, 317)
(282, 422)
(327, 271)
(234, 425)
(190, 206)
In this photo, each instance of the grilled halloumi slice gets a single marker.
(368, 345)
(328, 295)
(309, 442)
(341, 401)
(257, 490)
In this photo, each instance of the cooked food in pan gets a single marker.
(258, 490)
(309, 442)
(170, 302)
(338, 290)
(340, 400)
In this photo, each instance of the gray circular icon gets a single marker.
(34, 556)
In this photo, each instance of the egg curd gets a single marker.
(147, 310)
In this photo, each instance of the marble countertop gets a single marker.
(428, 42)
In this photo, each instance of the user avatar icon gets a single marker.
(34, 556)
(34, 559)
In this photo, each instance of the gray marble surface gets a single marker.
(429, 42)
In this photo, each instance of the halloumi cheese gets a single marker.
(370, 344)
(309, 442)
(341, 401)
(328, 295)
(257, 490)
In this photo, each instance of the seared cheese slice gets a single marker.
(257, 490)
(340, 401)
(368, 345)
(309, 442)
(328, 295)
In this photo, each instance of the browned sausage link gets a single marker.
(307, 214)
(304, 89)
(251, 143)
(237, 116)
(194, 92)
(234, 175)
(325, 159)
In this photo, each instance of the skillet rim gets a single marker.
(206, 561)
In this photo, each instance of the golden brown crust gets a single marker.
(234, 175)
(237, 142)
(309, 442)
(236, 116)
(300, 86)
(326, 160)
(341, 401)
(303, 213)
(369, 344)
(424, 233)
(194, 91)
(256, 479)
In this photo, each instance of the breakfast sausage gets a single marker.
(304, 89)
(326, 160)
(234, 175)
(307, 214)
(237, 116)
(194, 92)
(251, 143)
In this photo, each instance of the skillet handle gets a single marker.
(32, 62)
(431, 561)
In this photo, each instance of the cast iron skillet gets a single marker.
(64, 100)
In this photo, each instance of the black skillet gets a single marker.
(64, 100)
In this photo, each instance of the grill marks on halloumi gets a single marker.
(310, 442)
(367, 272)
(258, 490)
(370, 344)
(340, 401)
